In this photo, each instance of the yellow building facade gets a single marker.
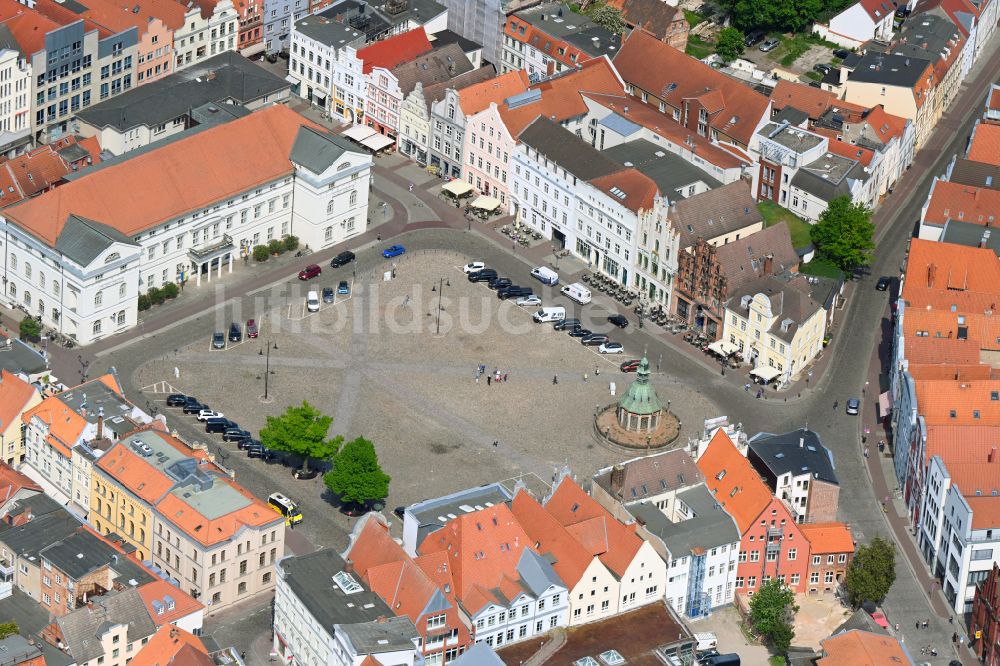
(114, 508)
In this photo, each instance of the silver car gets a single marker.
(769, 45)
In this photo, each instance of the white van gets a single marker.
(545, 275)
(577, 292)
(312, 301)
(546, 315)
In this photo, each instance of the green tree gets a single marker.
(30, 329)
(781, 15)
(8, 629)
(771, 613)
(170, 290)
(609, 18)
(260, 253)
(872, 571)
(730, 44)
(275, 246)
(301, 431)
(156, 295)
(844, 234)
(356, 476)
(291, 243)
(144, 302)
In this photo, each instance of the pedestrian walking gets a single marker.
(835, 403)
(896, 626)
(917, 624)
(954, 637)
(489, 378)
(925, 623)
(555, 379)
(746, 387)
(496, 443)
(597, 372)
(961, 641)
(378, 237)
(411, 187)
(505, 378)
(585, 376)
(243, 655)
(477, 379)
(866, 452)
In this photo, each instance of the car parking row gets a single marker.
(237, 335)
(216, 422)
(477, 271)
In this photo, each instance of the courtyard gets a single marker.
(386, 365)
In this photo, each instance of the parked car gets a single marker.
(497, 282)
(393, 251)
(220, 425)
(769, 45)
(177, 400)
(235, 435)
(312, 301)
(328, 294)
(883, 283)
(853, 406)
(593, 340)
(528, 301)
(235, 332)
(304, 475)
(252, 331)
(611, 348)
(815, 84)
(841, 53)
(473, 266)
(823, 68)
(514, 291)
(618, 320)
(218, 340)
(343, 288)
(310, 271)
(631, 365)
(579, 332)
(484, 275)
(342, 259)
(194, 407)
(243, 444)
(566, 324)
(207, 414)
(353, 510)
(261, 451)
(753, 37)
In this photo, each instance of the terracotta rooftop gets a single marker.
(962, 402)
(862, 648)
(593, 526)
(15, 393)
(394, 51)
(172, 646)
(826, 538)
(13, 482)
(265, 138)
(163, 593)
(985, 145)
(965, 203)
(635, 190)
(27, 27)
(963, 444)
(809, 100)
(673, 76)
(475, 98)
(940, 275)
(733, 481)
(550, 539)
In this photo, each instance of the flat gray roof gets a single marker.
(670, 172)
(559, 21)
(708, 527)
(790, 137)
(433, 514)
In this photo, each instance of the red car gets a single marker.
(310, 271)
(631, 365)
(251, 328)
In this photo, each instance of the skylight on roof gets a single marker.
(346, 583)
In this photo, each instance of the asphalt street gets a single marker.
(861, 327)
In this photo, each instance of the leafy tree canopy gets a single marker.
(872, 571)
(8, 629)
(30, 329)
(609, 18)
(730, 44)
(301, 431)
(781, 15)
(845, 234)
(356, 476)
(771, 612)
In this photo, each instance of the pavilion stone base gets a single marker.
(664, 435)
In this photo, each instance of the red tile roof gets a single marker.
(958, 444)
(985, 145)
(826, 538)
(158, 590)
(483, 549)
(552, 47)
(639, 189)
(27, 27)
(807, 99)
(994, 102)
(962, 402)
(394, 51)
(549, 538)
(265, 136)
(863, 648)
(851, 151)
(15, 393)
(941, 275)
(599, 532)
(172, 646)
(733, 482)
(475, 98)
(673, 76)
(878, 9)
(12, 482)
(562, 95)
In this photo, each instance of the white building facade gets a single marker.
(202, 37)
(15, 106)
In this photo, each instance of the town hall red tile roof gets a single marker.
(394, 51)
(733, 482)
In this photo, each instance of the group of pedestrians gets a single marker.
(495, 377)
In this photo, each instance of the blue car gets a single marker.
(343, 288)
(393, 251)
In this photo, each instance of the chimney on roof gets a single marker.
(382, 619)
(617, 479)
(348, 566)
(768, 264)
(100, 423)
(931, 272)
(173, 633)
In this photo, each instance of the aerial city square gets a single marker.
(425, 332)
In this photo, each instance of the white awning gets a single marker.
(253, 50)
(294, 80)
(723, 348)
(765, 372)
(486, 203)
(457, 187)
(377, 142)
(358, 133)
(884, 404)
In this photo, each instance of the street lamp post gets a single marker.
(267, 367)
(440, 294)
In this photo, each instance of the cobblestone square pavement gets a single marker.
(375, 362)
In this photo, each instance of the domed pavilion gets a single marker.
(638, 420)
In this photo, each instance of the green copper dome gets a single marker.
(640, 398)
